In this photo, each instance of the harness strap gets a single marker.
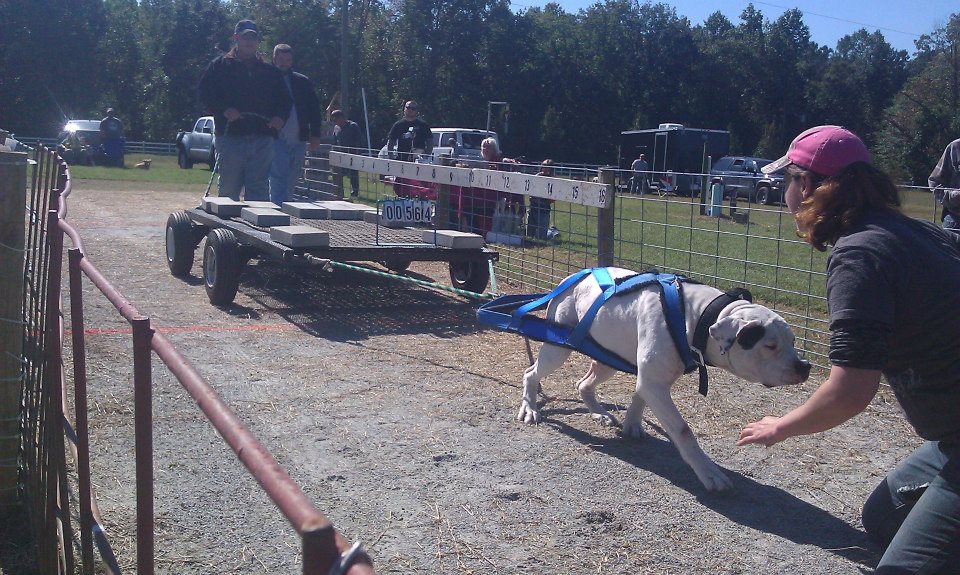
(671, 299)
(671, 294)
(545, 299)
(607, 288)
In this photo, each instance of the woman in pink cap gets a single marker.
(887, 277)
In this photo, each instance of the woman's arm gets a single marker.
(846, 392)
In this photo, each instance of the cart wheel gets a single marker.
(470, 275)
(180, 243)
(397, 265)
(221, 266)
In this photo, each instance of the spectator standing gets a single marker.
(110, 152)
(111, 128)
(945, 182)
(638, 183)
(249, 102)
(410, 135)
(884, 275)
(304, 125)
(348, 138)
(484, 202)
(538, 220)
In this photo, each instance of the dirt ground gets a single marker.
(395, 411)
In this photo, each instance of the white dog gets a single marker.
(747, 340)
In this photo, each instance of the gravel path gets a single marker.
(394, 411)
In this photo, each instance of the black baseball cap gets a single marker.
(245, 27)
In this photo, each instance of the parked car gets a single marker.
(741, 175)
(88, 131)
(198, 145)
(79, 142)
(461, 144)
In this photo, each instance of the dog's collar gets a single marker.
(708, 318)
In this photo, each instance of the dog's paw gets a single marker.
(528, 413)
(714, 479)
(605, 419)
(633, 429)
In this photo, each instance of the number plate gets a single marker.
(407, 212)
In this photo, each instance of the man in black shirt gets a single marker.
(304, 125)
(410, 135)
(111, 140)
(249, 103)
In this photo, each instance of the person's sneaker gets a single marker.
(354, 194)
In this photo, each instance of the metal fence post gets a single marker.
(80, 400)
(443, 201)
(143, 429)
(606, 221)
(50, 552)
(13, 199)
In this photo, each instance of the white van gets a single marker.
(461, 144)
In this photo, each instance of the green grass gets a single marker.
(163, 169)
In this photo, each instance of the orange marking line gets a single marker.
(192, 328)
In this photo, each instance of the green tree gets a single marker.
(121, 63)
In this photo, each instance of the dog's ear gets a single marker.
(750, 333)
(731, 329)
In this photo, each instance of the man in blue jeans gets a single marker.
(249, 103)
(303, 125)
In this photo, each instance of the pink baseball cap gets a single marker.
(825, 150)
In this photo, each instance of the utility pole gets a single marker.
(344, 58)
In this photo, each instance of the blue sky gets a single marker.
(900, 21)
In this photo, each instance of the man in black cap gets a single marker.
(250, 104)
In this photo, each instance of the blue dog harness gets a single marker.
(513, 313)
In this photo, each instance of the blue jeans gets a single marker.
(285, 169)
(244, 164)
(538, 220)
(920, 528)
(354, 180)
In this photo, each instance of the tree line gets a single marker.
(573, 82)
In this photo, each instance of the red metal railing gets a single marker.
(322, 545)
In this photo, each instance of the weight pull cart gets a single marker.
(231, 241)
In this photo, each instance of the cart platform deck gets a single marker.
(350, 240)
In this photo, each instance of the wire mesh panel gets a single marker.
(725, 233)
(43, 465)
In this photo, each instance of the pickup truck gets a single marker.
(198, 146)
(741, 175)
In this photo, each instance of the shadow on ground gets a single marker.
(350, 306)
(16, 548)
(752, 504)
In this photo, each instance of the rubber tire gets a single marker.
(763, 196)
(180, 244)
(397, 265)
(221, 266)
(183, 161)
(472, 275)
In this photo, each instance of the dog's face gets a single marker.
(760, 346)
